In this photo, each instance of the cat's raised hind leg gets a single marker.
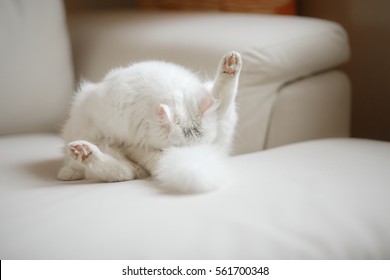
(224, 90)
(104, 166)
(226, 82)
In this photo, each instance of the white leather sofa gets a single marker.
(316, 199)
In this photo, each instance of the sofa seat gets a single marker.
(323, 199)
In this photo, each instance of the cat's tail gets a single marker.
(194, 169)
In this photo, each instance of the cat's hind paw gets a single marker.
(82, 150)
(231, 63)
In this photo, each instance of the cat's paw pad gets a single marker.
(80, 150)
(231, 63)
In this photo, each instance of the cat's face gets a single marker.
(188, 125)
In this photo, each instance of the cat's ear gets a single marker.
(165, 115)
(205, 104)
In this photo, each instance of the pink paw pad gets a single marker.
(231, 63)
(80, 151)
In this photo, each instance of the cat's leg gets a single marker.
(104, 166)
(225, 85)
(224, 90)
(70, 171)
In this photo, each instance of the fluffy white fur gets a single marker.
(201, 168)
(153, 118)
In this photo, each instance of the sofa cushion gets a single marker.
(36, 80)
(326, 199)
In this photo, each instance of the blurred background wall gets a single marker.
(368, 25)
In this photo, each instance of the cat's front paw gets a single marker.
(82, 150)
(231, 63)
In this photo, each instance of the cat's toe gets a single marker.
(80, 150)
(231, 63)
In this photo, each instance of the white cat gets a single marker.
(153, 118)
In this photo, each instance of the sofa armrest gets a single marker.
(36, 80)
(311, 108)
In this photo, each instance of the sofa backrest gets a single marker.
(36, 73)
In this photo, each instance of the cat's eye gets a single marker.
(192, 132)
